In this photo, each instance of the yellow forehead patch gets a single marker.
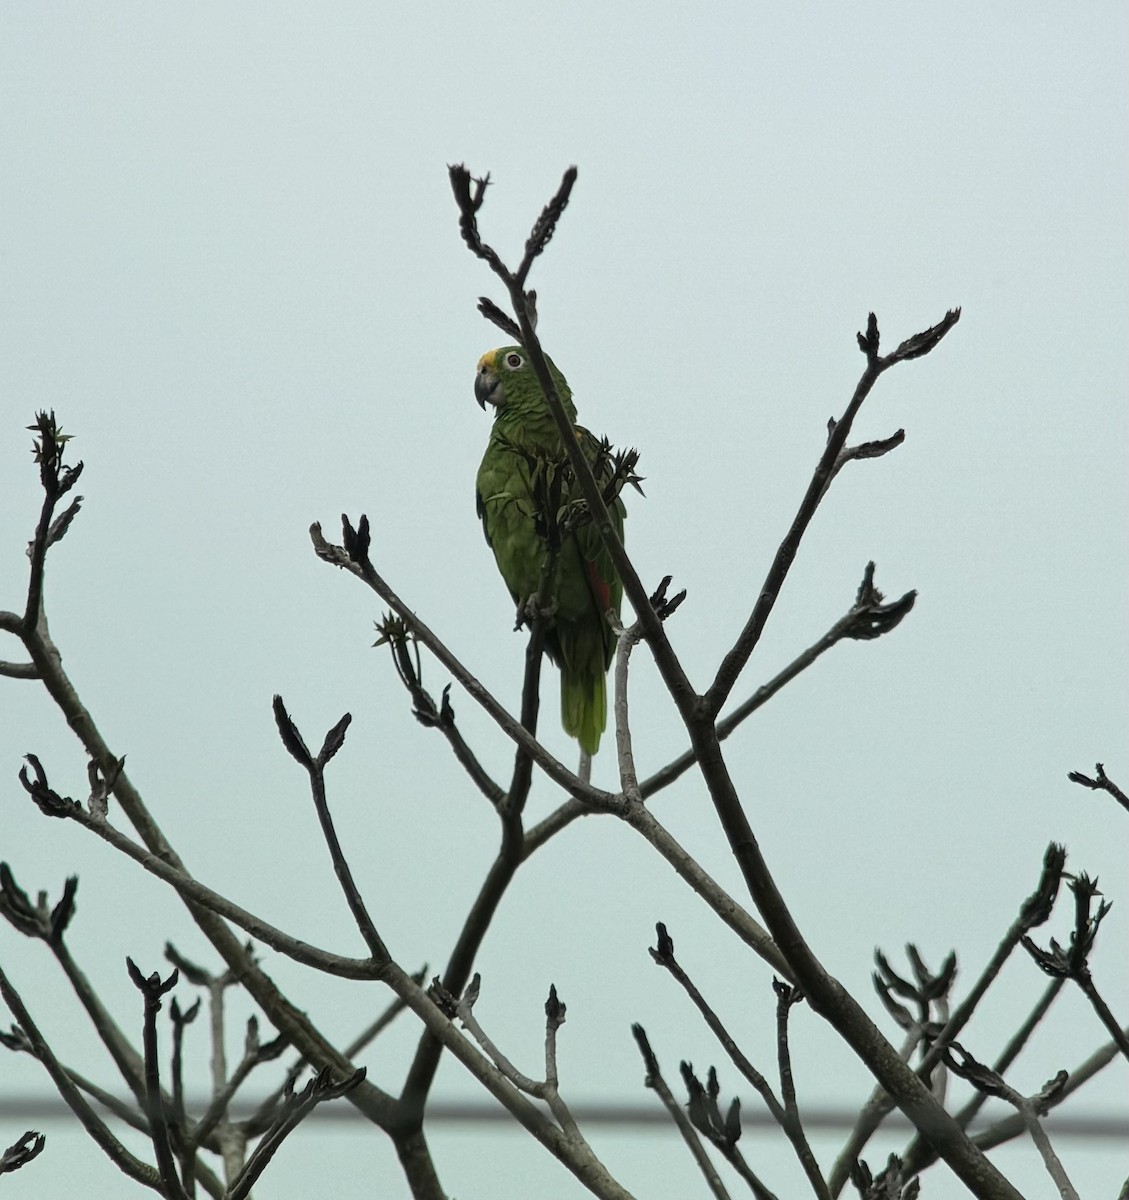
(487, 360)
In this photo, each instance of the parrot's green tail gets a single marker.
(584, 707)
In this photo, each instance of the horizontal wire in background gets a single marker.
(1090, 1126)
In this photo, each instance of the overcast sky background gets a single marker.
(229, 260)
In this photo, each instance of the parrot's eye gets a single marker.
(513, 361)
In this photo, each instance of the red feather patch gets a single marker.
(600, 589)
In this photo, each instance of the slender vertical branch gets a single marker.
(152, 989)
(56, 480)
(786, 998)
(315, 768)
(626, 641)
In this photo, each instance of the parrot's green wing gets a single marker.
(588, 589)
(524, 453)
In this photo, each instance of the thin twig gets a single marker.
(254, 1055)
(1038, 1135)
(179, 1121)
(1030, 1108)
(578, 1158)
(152, 989)
(322, 1087)
(1034, 911)
(722, 1132)
(1101, 782)
(1089, 989)
(663, 955)
(1072, 961)
(786, 998)
(1011, 1050)
(404, 649)
(654, 1080)
(315, 768)
(554, 1019)
(789, 1122)
(626, 641)
(56, 480)
(464, 1010)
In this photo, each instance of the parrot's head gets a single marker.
(488, 385)
(505, 379)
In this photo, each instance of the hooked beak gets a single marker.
(485, 385)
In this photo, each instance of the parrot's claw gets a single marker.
(530, 609)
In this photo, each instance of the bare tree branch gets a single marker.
(296, 1107)
(76, 1102)
(315, 768)
(198, 893)
(867, 618)
(152, 989)
(56, 479)
(395, 634)
(1030, 1108)
(1072, 961)
(626, 641)
(654, 1080)
(1102, 783)
(1014, 1045)
(734, 662)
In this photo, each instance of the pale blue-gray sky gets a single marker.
(229, 260)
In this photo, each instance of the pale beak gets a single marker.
(485, 385)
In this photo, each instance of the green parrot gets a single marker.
(524, 454)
